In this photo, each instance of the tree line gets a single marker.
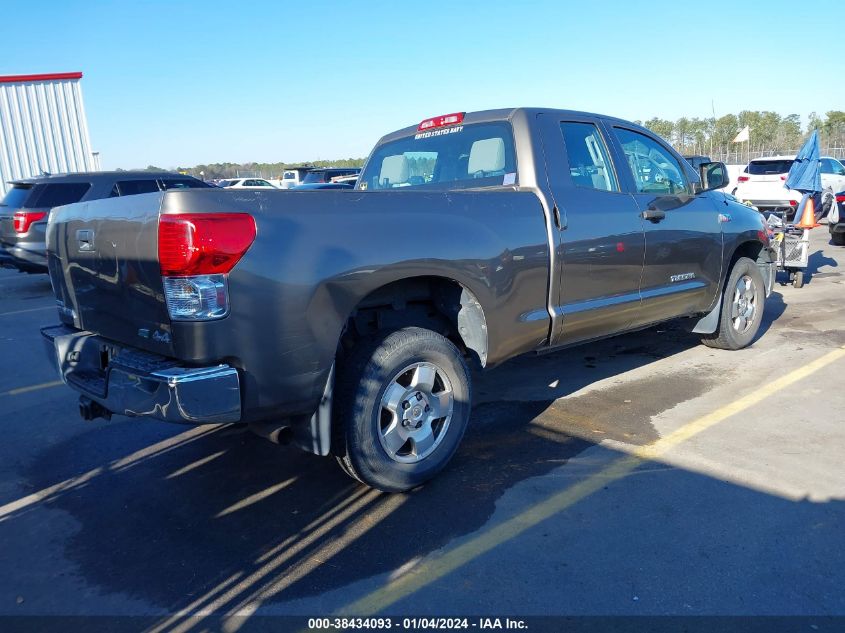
(769, 132)
(214, 171)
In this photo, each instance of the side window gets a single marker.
(135, 187)
(655, 170)
(55, 195)
(589, 162)
(830, 166)
(183, 183)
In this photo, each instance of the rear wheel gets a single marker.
(798, 279)
(742, 307)
(403, 406)
(838, 239)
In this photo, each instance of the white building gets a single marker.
(43, 127)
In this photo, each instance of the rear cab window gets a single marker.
(461, 156)
(52, 195)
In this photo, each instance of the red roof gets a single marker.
(9, 79)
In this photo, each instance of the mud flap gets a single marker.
(314, 435)
(710, 321)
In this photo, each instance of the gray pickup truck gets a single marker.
(347, 321)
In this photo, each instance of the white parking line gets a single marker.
(2, 314)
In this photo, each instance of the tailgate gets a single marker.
(103, 262)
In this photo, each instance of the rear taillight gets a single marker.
(783, 177)
(203, 243)
(742, 179)
(840, 197)
(195, 251)
(24, 219)
(793, 203)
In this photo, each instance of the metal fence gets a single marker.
(741, 157)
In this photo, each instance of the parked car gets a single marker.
(323, 185)
(26, 208)
(246, 183)
(347, 322)
(837, 229)
(293, 176)
(326, 175)
(697, 160)
(762, 183)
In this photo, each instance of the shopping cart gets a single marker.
(791, 241)
(792, 250)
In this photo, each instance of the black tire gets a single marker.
(727, 335)
(359, 415)
(838, 239)
(798, 279)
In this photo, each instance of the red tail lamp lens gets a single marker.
(24, 219)
(203, 243)
(742, 179)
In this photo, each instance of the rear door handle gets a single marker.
(653, 215)
(556, 213)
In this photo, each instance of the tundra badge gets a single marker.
(682, 277)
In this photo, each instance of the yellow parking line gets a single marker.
(20, 390)
(432, 570)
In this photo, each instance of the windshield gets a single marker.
(462, 156)
(16, 196)
(766, 167)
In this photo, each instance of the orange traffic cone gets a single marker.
(808, 218)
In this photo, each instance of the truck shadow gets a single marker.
(224, 517)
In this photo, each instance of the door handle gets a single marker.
(653, 215)
(556, 213)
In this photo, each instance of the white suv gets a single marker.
(762, 183)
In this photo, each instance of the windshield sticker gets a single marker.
(447, 130)
(362, 186)
(509, 179)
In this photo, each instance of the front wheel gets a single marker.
(403, 406)
(742, 307)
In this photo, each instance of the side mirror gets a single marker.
(713, 176)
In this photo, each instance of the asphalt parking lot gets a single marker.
(644, 475)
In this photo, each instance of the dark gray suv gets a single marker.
(26, 208)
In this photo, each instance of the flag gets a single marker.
(743, 135)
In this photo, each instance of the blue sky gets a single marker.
(170, 83)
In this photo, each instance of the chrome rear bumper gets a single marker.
(126, 381)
